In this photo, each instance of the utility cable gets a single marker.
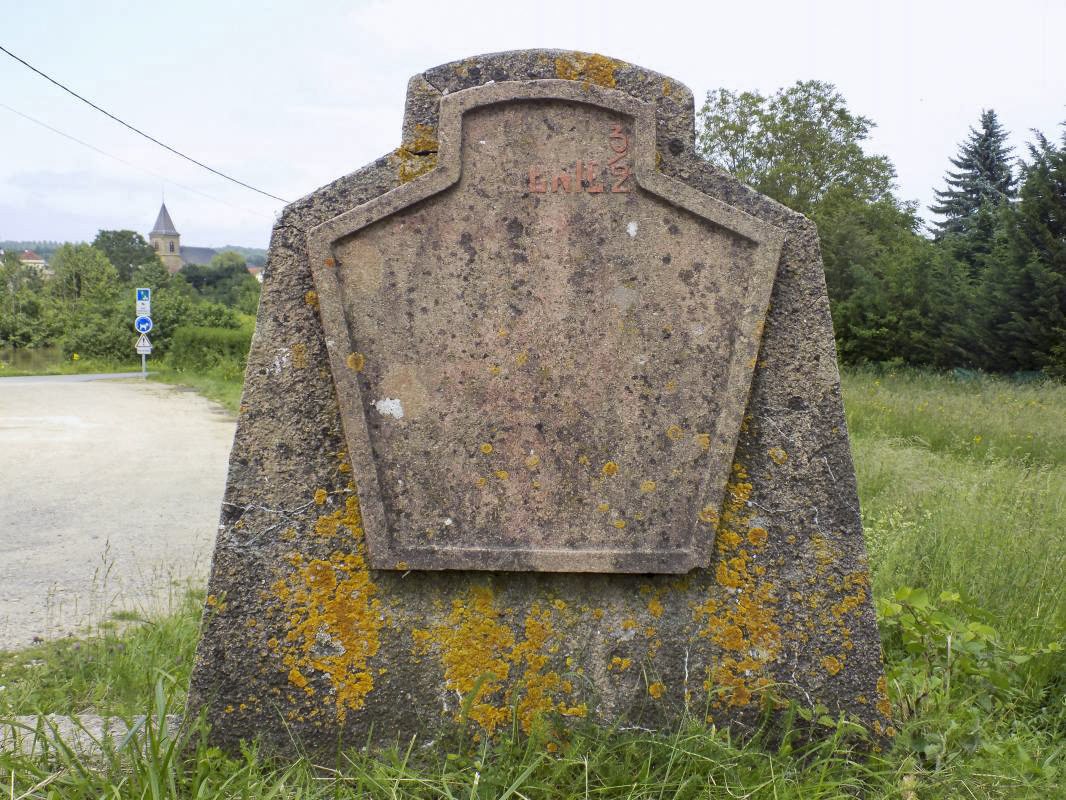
(96, 149)
(138, 131)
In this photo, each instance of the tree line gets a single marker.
(983, 287)
(86, 306)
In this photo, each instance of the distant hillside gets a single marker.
(43, 249)
(253, 256)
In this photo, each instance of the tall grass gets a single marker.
(963, 485)
(963, 488)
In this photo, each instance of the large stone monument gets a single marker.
(542, 417)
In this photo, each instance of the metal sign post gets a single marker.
(142, 324)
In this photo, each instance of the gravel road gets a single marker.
(109, 499)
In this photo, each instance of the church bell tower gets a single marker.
(166, 240)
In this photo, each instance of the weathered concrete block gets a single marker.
(543, 408)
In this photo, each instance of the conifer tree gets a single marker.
(1025, 291)
(984, 181)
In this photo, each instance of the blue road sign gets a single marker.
(144, 295)
(143, 324)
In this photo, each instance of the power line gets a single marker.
(138, 131)
(96, 149)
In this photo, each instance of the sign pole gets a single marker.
(143, 324)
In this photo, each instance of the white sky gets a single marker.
(289, 95)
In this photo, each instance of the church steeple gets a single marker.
(166, 240)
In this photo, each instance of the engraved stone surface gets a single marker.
(420, 318)
(543, 348)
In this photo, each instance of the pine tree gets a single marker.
(1025, 291)
(983, 182)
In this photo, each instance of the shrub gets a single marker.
(201, 349)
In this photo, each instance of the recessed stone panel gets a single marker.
(543, 352)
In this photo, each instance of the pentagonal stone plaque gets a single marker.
(543, 347)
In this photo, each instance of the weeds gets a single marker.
(974, 654)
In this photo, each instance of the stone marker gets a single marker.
(542, 412)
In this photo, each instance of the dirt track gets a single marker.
(109, 499)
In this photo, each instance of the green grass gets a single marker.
(963, 488)
(223, 385)
(963, 485)
(62, 366)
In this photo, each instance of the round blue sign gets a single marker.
(143, 324)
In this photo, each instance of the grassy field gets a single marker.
(963, 484)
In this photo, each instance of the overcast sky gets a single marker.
(287, 96)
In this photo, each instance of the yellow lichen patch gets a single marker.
(667, 88)
(655, 607)
(355, 362)
(587, 67)
(757, 536)
(619, 523)
(334, 617)
(320, 496)
(832, 664)
(647, 486)
(603, 508)
(882, 698)
(740, 620)
(472, 644)
(478, 651)
(704, 440)
(610, 468)
(673, 433)
(709, 516)
(502, 474)
(299, 356)
(486, 448)
(416, 156)
(656, 690)
(532, 461)
(311, 298)
(778, 455)
(521, 358)
(620, 664)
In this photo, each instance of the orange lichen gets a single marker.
(742, 622)
(673, 433)
(656, 690)
(610, 468)
(587, 67)
(320, 496)
(355, 362)
(471, 645)
(832, 664)
(486, 448)
(619, 523)
(415, 157)
(334, 617)
(478, 652)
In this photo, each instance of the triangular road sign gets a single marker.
(142, 341)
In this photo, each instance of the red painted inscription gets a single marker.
(589, 176)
